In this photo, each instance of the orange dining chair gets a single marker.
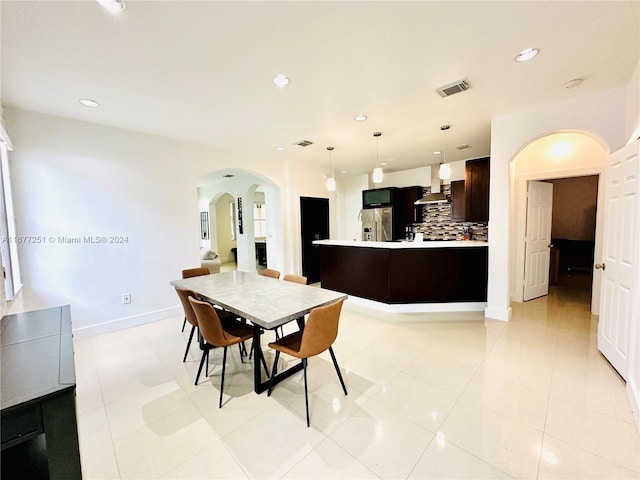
(193, 272)
(184, 295)
(215, 334)
(268, 272)
(290, 277)
(318, 335)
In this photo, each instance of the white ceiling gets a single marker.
(201, 71)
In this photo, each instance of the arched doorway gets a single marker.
(230, 196)
(571, 160)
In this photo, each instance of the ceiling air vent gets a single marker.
(456, 87)
(464, 146)
(304, 143)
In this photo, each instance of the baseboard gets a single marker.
(127, 322)
(503, 314)
(633, 392)
(419, 307)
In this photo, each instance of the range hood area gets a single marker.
(436, 195)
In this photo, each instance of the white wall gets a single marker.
(405, 178)
(633, 106)
(80, 179)
(348, 204)
(603, 115)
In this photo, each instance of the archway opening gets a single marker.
(241, 232)
(572, 163)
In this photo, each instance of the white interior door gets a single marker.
(537, 239)
(618, 257)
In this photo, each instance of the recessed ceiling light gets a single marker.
(280, 149)
(112, 5)
(87, 102)
(343, 171)
(527, 54)
(437, 152)
(383, 163)
(360, 118)
(573, 83)
(281, 80)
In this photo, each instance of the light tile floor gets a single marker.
(437, 396)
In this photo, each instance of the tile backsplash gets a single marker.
(437, 224)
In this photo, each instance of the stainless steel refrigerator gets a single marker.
(377, 224)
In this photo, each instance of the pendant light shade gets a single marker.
(377, 175)
(377, 172)
(445, 171)
(445, 168)
(331, 180)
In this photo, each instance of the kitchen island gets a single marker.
(426, 276)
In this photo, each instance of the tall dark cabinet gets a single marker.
(476, 190)
(458, 201)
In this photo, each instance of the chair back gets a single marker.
(184, 294)
(209, 323)
(268, 272)
(321, 329)
(195, 272)
(290, 277)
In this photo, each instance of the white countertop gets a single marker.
(404, 244)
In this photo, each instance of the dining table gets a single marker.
(268, 303)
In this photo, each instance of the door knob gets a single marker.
(600, 266)
(550, 245)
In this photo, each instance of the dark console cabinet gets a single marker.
(39, 426)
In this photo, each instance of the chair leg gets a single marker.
(193, 328)
(240, 348)
(251, 350)
(224, 364)
(207, 364)
(202, 360)
(184, 323)
(335, 364)
(306, 394)
(273, 372)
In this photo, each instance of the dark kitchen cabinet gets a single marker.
(476, 190)
(458, 201)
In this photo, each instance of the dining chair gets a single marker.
(318, 335)
(215, 334)
(268, 272)
(290, 277)
(184, 294)
(193, 272)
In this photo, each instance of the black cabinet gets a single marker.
(476, 190)
(37, 392)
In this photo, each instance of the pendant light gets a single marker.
(331, 180)
(445, 168)
(444, 173)
(377, 172)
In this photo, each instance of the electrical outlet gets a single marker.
(126, 298)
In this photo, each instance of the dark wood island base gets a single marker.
(406, 273)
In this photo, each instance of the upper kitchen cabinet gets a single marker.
(458, 201)
(476, 190)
